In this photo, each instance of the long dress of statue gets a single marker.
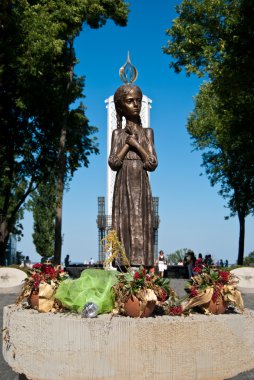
(132, 155)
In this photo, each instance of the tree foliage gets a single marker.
(249, 259)
(177, 256)
(201, 35)
(215, 38)
(223, 157)
(42, 204)
(37, 88)
(25, 157)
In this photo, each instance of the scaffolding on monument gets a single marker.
(104, 223)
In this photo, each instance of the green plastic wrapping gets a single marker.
(94, 285)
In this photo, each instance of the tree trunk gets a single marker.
(2, 253)
(241, 218)
(4, 237)
(59, 196)
(62, 166)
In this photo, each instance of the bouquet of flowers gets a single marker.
(141, 285)
(210, 287)
(42, 281)
(138, 289)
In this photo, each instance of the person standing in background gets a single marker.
(67, 261)
(27, 262)
(191, 261)
(161, 263)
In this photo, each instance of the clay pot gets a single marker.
(217, 307)
(33, 300)
(133, 308)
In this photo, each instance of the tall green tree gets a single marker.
(222, 157)
(215, 39)
(25, 154)
(70, 19)
(38, 86)
(42, 204)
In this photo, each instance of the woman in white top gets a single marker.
(161, 263)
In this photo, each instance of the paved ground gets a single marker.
(6, 372)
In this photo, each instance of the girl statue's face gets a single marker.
(130, 104)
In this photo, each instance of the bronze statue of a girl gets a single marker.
(132, 155)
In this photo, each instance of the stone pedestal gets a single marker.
(68, 347)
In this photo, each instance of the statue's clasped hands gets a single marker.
(132, 140)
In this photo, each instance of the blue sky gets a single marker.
(191, 212)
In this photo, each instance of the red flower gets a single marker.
(36, 280)
(198, 266)
(223, 277)
(45, 273)
(216, 291)
(37, 266)
(193, 292)
(49, 271)
(175, 310)
(136, 276)
(162, 296)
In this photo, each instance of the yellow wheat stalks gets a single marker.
(116, 248)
